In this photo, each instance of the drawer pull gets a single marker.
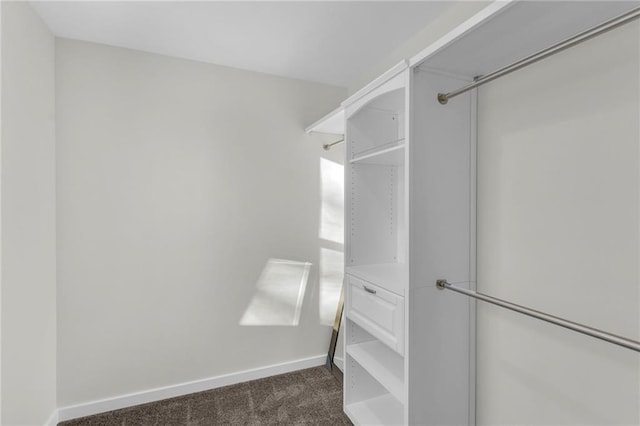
(368, 290)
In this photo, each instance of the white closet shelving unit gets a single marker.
(410, 214)
(400, 205)
(376, 241)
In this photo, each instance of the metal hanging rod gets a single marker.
(580, 328)
(625, 18)
(328, 146)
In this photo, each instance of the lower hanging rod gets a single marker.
(616, 22)
(580, 328)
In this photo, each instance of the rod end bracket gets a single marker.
(443, 98)
(441, 284)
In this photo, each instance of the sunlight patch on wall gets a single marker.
(279, 294)
(332, 192)
(331, 273)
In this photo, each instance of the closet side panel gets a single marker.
(441, 350)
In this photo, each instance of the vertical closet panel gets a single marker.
(558, 230)
(441, 350)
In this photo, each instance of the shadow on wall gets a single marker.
(282, 284)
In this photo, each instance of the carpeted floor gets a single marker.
(306, 397)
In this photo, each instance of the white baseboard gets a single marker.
(53, 419)
(124, 401)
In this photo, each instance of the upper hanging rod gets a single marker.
(580, 328)
(328, 146)
(625, 18)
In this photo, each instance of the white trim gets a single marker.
(53, 419)
(157, 394)
(470, 24)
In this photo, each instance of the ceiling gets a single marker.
(321, 41)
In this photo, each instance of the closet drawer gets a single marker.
(378, 311)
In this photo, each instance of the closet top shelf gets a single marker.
(380, 81)
(478, 46)
(332, 123)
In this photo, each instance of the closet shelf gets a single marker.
(391, 153)
(384, 365)
(381, 410)
(390, 276)
(332, 123)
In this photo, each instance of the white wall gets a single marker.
(558, 194)
(177, 183)
(28, 218)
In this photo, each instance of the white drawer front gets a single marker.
(378, 311)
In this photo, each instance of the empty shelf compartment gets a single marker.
(383, 364)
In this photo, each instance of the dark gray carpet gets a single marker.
(306, 397)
